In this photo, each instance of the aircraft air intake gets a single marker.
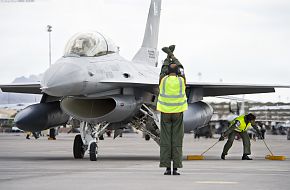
(110, 109)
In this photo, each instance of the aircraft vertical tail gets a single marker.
(148, 53)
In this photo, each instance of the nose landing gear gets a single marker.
(88, 140)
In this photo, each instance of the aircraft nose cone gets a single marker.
(63, 79)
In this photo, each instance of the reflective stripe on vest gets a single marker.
(172, 104)
(180, 95)
(172, 98)
(242, 124)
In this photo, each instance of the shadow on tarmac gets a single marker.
(86, 158)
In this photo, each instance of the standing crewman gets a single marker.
(172, 102)
(239, 126)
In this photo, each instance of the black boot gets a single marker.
(223, 156)
(246, 157)
(167, 171)
(175, 171)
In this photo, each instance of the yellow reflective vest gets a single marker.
(172, 97)
(241, 125)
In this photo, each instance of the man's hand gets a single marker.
(222, 138)
(259, 134)
(168, 52)
(172, 48)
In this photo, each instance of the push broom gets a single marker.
(272, 156)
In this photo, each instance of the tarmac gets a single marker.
(131, 162)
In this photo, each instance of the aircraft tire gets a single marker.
(93, 151)
(78, 148)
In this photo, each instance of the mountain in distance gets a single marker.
(17, 98)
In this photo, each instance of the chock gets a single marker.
(272, 157)
(195, 157)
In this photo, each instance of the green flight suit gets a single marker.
(246, 142)
(171, 139)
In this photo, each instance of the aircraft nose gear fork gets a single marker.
(88, 139)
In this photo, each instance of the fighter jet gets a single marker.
(94, 84)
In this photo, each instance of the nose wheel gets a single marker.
(78, 147)
(88, 140)
(93, 151)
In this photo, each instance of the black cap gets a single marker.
(173, 69)
(250, 117)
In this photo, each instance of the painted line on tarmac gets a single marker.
(216, 182)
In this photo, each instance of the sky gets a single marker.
(230, 41)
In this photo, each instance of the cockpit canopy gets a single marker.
(89, 44)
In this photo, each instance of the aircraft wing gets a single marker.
(28, 88)
(222, 89)
(207, 89)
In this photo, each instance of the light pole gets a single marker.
(49, 41)
(199, 74)
(52, 130)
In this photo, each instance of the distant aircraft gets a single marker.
(277, 125)
(94, 84)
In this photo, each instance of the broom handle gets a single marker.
(267, 147)
(209, 148)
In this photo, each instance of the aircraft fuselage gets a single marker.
(83, 76)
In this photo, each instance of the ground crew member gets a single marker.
(28, 134)
(239, 126)
(172, 102)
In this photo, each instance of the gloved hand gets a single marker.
(260, 136)
(222, 138)
(172, 48)
(168, 51)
